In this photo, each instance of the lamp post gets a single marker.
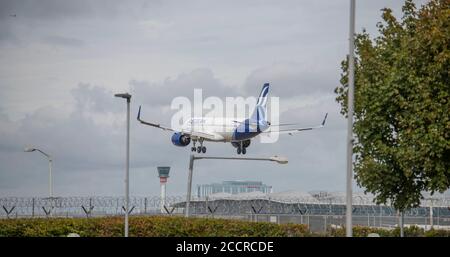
(351, 87)
(431, 213)
(49, 157)
(127, 169)
(278, 159)
(402, 223)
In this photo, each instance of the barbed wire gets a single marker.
(226, 205)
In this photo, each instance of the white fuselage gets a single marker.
(223, 129)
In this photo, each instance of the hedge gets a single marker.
(154, 226)
(412, 231)
(166, 226)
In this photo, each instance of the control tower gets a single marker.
(163, 174)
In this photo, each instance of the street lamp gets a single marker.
(50, 180)
(351, 87)
(127, 188)
(277, 159)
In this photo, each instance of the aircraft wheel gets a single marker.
(244, 150)
(193, 149)
(238, 150)
(199, 149)
(203, 149)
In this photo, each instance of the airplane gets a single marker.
(238, 133)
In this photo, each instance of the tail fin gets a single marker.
(262, 99)
(259, 114)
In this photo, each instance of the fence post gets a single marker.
(438, 216)
(431, 214)
(381, 221)
(145, 205)
(206, 206)
(90, 206)
(32, 208)
(309, 228)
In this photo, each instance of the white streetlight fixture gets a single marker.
(49, 157)
(351, 88)
(277, 159)
(127, 171)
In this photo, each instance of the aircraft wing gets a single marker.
(273, 125)
(151, 124)
(291, 131)
(197, 134)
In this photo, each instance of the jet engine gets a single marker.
(179, 139)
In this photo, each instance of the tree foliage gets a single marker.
(401, 116)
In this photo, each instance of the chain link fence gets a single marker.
(27, 207)
(318, 213)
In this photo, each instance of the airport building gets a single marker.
(319, 209)
(233, 187)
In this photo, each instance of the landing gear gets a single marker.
(193, 148)
(198, 149)
(241, 149)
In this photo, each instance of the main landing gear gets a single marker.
(199, 149)
(241, 146)
(241, 149)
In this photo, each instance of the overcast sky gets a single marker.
(62, 61)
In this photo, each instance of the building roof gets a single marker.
(317, 197)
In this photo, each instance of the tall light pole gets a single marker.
(278, 159)
(127, 172)
(49, 157)
(351, 88)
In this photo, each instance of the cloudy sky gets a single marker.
(62, 61)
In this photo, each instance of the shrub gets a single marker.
(164, 226)
(437, 233)
(412, 231)
(147, 227)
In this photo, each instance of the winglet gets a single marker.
(139, 114)
(324, 119)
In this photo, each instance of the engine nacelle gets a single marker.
(245, 143)
(179, 139)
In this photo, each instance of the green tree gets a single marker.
(401, 118)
